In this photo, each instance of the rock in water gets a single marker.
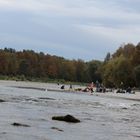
(1, 100)
(67, 118)
(55, 128)
(19, 124)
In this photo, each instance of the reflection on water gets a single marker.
(101, 118)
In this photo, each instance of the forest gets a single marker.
(121, 68)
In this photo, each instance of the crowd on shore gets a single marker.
(100, 88)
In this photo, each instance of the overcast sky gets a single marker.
(85, 29)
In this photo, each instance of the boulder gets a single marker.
(55, 128)
(67, 118)
(1, 100)
(19, 124)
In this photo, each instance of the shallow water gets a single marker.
(101, 118)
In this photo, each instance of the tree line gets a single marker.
(39, 65)
(121, 68)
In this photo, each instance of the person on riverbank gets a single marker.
(70, 86)
(90, 87)
(62, 87)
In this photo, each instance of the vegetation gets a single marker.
(121, 69)
(29, 65)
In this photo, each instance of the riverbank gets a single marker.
(55, 87)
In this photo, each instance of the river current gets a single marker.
(102, 118)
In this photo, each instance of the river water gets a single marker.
(101, 118)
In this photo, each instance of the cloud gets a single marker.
(78, 28)
(73, 7)
(120, 34)
(30, 5)
(114, 9)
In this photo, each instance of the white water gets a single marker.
(101, 118)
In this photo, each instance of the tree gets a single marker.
(136, 56)
(3, 63)
(93, 71)
(107, 73)
(12, 64)
(125, 50)
(123, 72)
(80, 70)
(117, 71)
(108, 57)
(24, 67)
(137, 75)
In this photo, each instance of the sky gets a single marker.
(74, 29)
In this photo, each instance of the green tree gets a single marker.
(93, 71)
(80, 70)
(24, 67)
(108, 57)
(137, 75)
(117, 71)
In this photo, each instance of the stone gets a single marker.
(19, 124)
(67, 118)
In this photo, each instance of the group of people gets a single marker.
(97, 87)
(127, 90)
(63, 86)
(91, 87)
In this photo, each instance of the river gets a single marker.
(102, 118)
